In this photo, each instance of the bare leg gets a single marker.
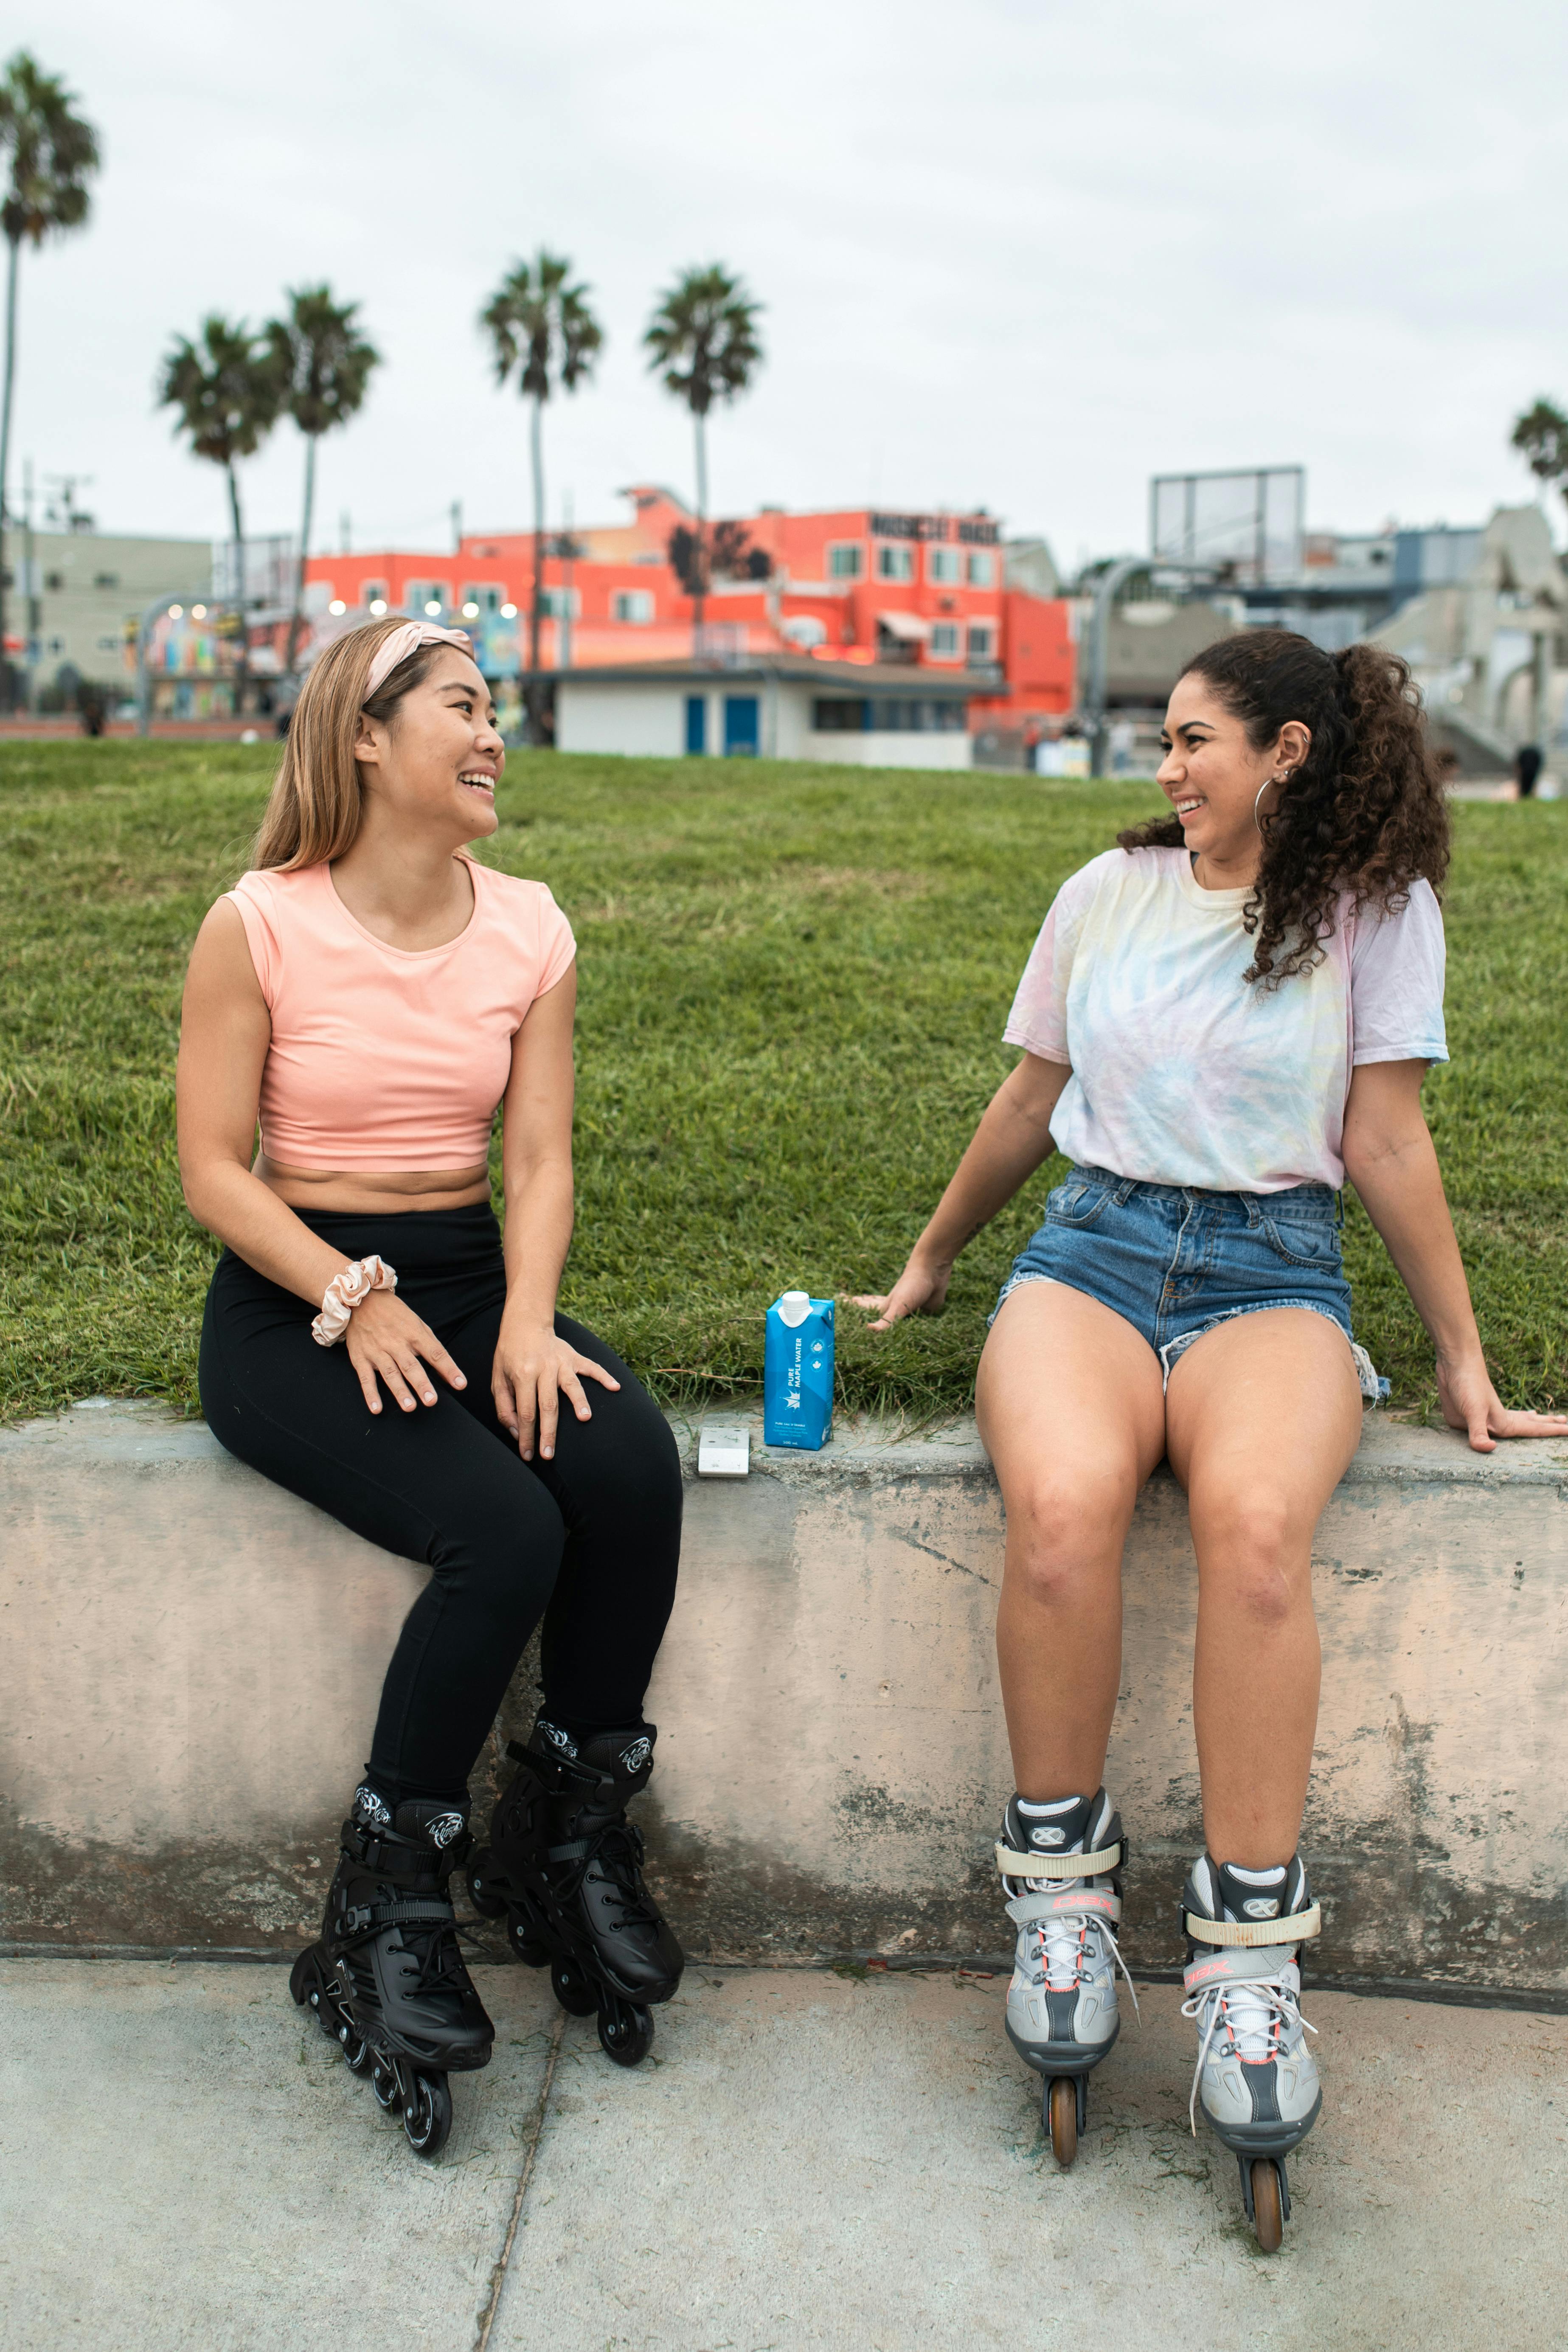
(1263, 1415)
(1070, 1411)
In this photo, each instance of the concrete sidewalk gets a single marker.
(811, 2159)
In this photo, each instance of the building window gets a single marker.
(563, 603)
(845, 560)
(482, 596)
(943, 563)
(106, 580)
(54, 581)
(943, 643)
(427, 599)
(981, 644)
(915, 715)
(981, 569)
(373, 592)
(108, 644)
(898, 715)
(632, 605)
(895, 563)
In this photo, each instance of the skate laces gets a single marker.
(1063, 1942)
(616, 1849)
(1256, 2012)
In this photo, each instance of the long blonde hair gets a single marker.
(317, 801)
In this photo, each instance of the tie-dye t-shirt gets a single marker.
(1181, 1073)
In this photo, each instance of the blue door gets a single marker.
(741, 726)
(696, 724)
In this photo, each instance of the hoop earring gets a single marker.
(1262, 788)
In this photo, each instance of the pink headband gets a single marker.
(401, 643)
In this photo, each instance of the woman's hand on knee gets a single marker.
(534, 1368)
(386, 1342)
(921, 1289)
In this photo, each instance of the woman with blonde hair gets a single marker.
(369, 993)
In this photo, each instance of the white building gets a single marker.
(773, 707)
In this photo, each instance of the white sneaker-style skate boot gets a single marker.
(1060, 1865)
(1256, 2080)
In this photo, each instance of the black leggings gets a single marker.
(589, 1541)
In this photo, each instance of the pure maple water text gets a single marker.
(798, 1372)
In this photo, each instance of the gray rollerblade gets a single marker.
(1256, 2079)
(1060, 1867)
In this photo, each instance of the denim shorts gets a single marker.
(1176, 1262)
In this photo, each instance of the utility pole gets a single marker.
(30, 574)
(344, 533)
(457, 526)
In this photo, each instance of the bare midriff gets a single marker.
(374, 1190)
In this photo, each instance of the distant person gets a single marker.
(91, 712)
(1123, 736)
(371, 994)
(1222, 1018)
(1527, 769)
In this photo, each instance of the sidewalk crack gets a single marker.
(497, 2275)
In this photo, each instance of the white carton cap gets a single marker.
(794, 1307)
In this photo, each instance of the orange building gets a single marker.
(855, 585)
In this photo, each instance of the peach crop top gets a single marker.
(392, 1057)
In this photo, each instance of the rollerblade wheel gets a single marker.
(1061, 2116)
(357, 2051)
(487, 1905)
(388, 2091)
(626, 2033)
(571, 1988)
(305, 1980)
(530, 1949)
(1268, 2205)
(427, 2114)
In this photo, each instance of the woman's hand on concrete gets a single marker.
(533, 1370)
(921, 1289)
(386, 1342)
(1470, 1402)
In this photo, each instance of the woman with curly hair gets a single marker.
(1221, 1018)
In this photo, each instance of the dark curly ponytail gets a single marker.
(1364, 812)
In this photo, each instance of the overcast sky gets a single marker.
(1014, 253)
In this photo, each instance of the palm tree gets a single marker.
(228, 387)
(703, 340)
(543, 331)
(325, 365)
(1541, 436)
(52, 152)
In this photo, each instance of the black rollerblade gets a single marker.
(565, 1866)
(387, 1980)
(1255, 2079)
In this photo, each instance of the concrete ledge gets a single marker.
(194, 1656)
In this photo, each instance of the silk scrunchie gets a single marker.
(345, 1292)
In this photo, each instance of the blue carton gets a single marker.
(798, 1372)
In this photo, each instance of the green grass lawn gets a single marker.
(793, 985)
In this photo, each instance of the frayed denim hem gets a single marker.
(1373, 1387)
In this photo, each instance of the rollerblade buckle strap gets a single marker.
(1077, 1903)
(1061, 1865)
(362, 1919)
(1296, 1928)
